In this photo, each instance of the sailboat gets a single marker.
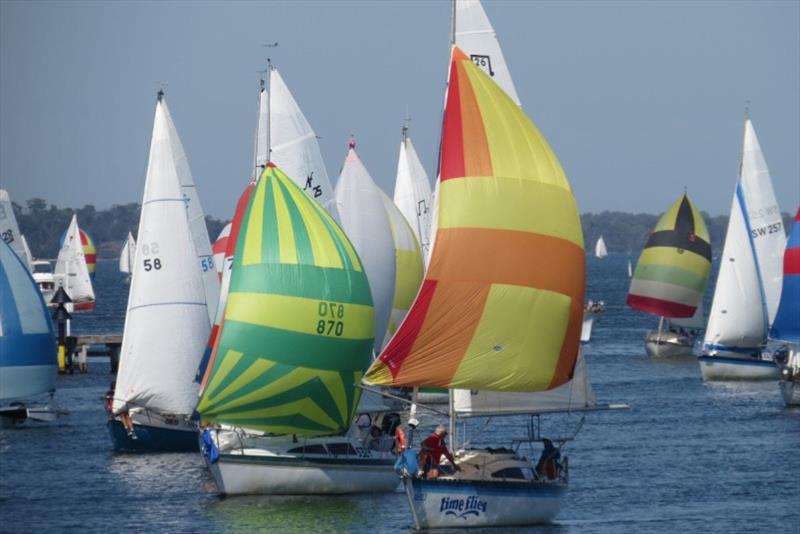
(630, 269)
(491, 315)
(9, 230)
(27, 345)
(72, 271)
(750, 274)
(671, 277)
(366, 223)
(167, 324)
(297, 335)
(786, 326)
(127, 257)
(412, 193)
(600, 250)
(218, 249)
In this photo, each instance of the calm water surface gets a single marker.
(687, 456)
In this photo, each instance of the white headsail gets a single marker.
(763, 219)
(167, 323)
(475, 36)
(71, 271)
(197, 219)
(364, 220)
(294, 146)
(9, 230)
(412, 193)
(128, 255)
(600, 249)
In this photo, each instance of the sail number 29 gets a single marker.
(148, 249)
(331, 322)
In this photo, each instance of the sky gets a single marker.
(639, 99)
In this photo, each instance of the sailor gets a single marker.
(433, 448)
(547, 467)
(109, 397)
(400, 441)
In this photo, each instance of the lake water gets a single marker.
(687, 457)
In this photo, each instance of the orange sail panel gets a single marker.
(501, 305)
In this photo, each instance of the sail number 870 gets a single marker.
(331, 322)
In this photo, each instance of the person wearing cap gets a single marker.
(400, 441)
(433, 448)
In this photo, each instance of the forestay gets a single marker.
(167, 323)
(364, 219)
(298, 327)
(501, 305)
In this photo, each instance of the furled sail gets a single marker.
(763, 219)
(298, 327)
(412, 193)
(600, 250)
(9, 230)
(364, 219)
(672, 272)
(71, 270)
(786, 326)
(491, 313)
(294, 146)
(27, 345)
(197, 219)
(474, 34)
(166, 325)
(408, 266)
(128, 255)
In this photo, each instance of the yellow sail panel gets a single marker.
(502, 301)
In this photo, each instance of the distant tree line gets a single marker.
(43, 226)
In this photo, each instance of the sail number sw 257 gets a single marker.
(766, 230)
(331, 321)
(150, 249)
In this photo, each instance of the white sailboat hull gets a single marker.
(790, 389)
(586, 329)
(668, 345)
(732, 368)
(247, 474)
(463, 504)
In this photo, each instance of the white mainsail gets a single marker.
(577, 394)
(763, 218)
(293, 144)
(167, 323)
(128, 255)
(737, 322)
(262, 132)
(71, 271)
(600, 249)
(412, 193)
(364, 220)
(475, 36)
(9, 230)
(197, 219)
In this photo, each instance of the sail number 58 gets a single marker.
(148, 249)
(331, 319)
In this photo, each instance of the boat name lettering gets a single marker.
(765, 230)
(471, 506)
(329, 325)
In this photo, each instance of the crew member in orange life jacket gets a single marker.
(400, 441)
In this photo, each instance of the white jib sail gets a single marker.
(28, 259)
(71, 271)
(262, 128)
(9, 230)
(365, 222)
(475, 36)
(128, 255)
(600, 249)
(197, 219)
(737, 322)
(294, 146)
(167, 323)
(412, 194)
(575, 394)
(763, 216)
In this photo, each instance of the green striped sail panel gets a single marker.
(298, 328)
(672, 272)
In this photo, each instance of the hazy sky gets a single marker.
(638, 99)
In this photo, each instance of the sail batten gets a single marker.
(490, 314)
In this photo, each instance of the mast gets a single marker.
(452, 22)
(269, 98)
(258, 120)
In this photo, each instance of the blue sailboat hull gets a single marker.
(152, 438)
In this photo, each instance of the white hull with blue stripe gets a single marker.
(716, 367)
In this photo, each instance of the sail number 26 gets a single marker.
(150, 263)
(331, 322)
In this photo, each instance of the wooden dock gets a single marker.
(96, 345)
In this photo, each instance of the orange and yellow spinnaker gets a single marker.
(501, 305)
